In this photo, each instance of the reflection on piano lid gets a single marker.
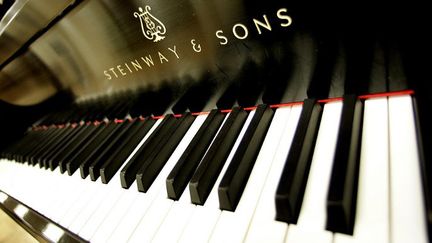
(255, 111)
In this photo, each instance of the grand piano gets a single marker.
(216, 120)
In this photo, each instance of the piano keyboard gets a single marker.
(340, 170)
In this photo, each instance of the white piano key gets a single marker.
(19, 184)
(13, 169)
(311, 223)
(31, 185)
(8, 182)
(26, 196)
(264, 227)
(110, 222)
(74, 186)
(111, 197)
(102, 205)
(52, 186)
(5, 178)
(204, 218)
(16, 186)
(44, 178)
(48, 187)
(152, 219)
(59, 204)
(133, 215)
(408, 223)
(107, 200)
(177, 218)
(92, 205)
(372, 213)
(233, 226)
(200, 225)
(24, 192)
(80, 203)
(4, 175)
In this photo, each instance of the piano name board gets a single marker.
(154, 30)
(106, 46)
(241, 31)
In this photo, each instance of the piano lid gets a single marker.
(107, 46)
(25, 80)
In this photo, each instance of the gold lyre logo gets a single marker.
(152, 28)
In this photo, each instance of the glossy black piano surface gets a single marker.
(82, 82)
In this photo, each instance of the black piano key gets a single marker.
(25, 142)
(39, 142)
(207, 172)
(424, 138)
(59, 146)
(98, 146)
(133, 138)
(235, 178)
(341, 200)
(51, 143)
(424, 132)
(145, 159)
(114, 141)
(292, 184)
(182, 172)
(71, 161)
(51, 161)
(129, 171)
(18, 154)
(31, 139)
(410, 72)
(147, 174)
(87, 149)
(73, 148)
(415, 55)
